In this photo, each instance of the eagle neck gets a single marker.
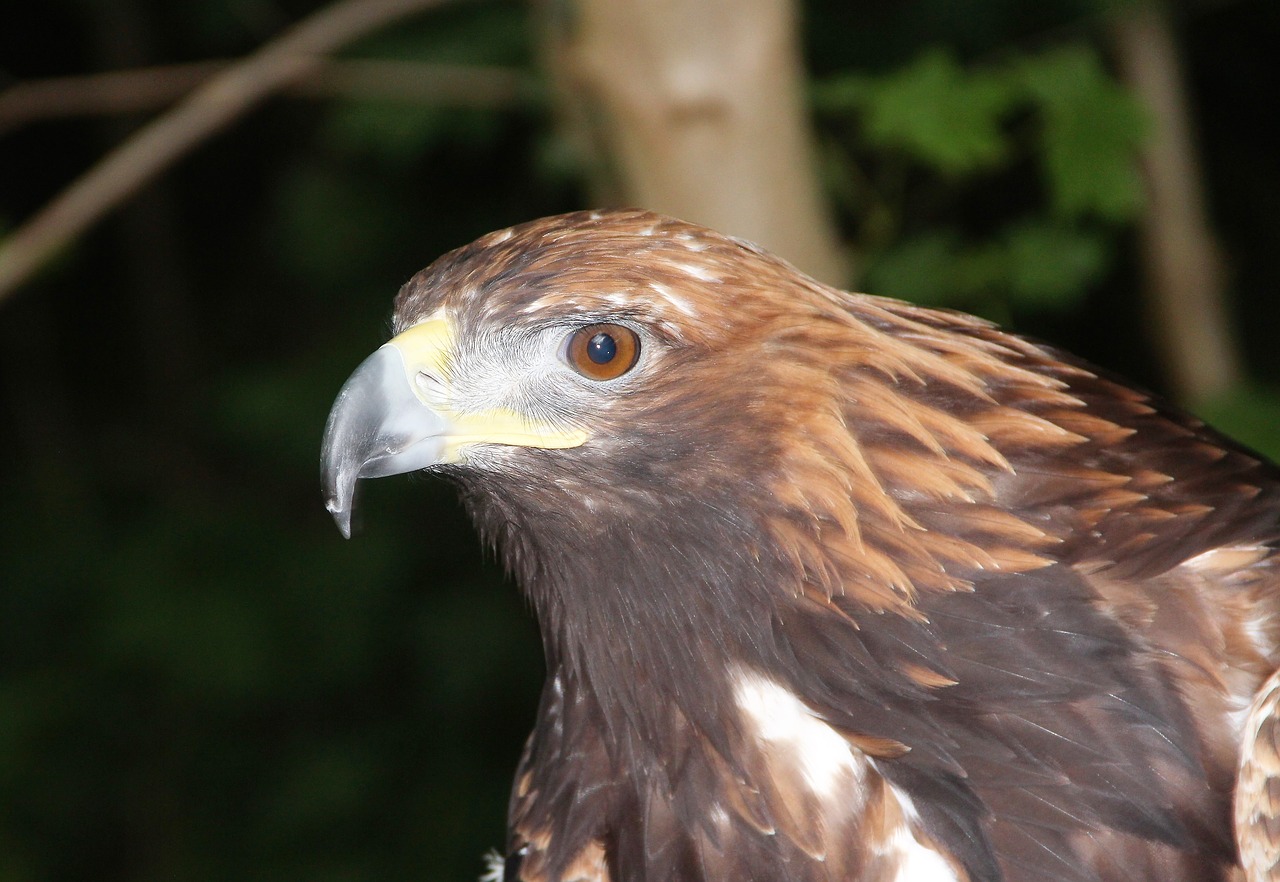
(648, 617)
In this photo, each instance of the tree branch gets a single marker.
(211, 107)
(150, 88)
(100, 94)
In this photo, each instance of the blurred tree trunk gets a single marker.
(1181, 263)
(695, 108)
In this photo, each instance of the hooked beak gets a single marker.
(377, 427)
(394, 415)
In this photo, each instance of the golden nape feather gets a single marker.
(1257, 798)
(834, 587)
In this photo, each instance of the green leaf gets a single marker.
(1035, 263)
(921, 269)
(841, 93)
(1250, 414)
(944, 116)
(1092, 132)
(937, 269)
(1051, 265)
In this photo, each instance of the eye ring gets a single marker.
(603, 351)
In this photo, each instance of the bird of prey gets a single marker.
(831, 586)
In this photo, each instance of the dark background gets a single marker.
(198, 678)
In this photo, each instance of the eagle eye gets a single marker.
(603, 352)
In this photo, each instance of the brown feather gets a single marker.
(1257, 798)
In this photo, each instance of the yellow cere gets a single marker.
(425, 348)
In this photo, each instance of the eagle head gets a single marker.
(569, 361)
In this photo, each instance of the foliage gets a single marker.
(1250, 415)
(939, 128)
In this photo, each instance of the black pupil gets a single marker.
(602, 348)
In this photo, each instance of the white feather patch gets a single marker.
(671, 297)
(917, 862)
(495, 866)
(822, 755)
(698, 272)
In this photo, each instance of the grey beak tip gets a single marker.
(342, 518)
(377, 427)
(341, 506)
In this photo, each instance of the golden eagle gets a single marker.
(833, 587)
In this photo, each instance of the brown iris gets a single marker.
(603, 352)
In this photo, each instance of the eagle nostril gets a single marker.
(430, 387)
